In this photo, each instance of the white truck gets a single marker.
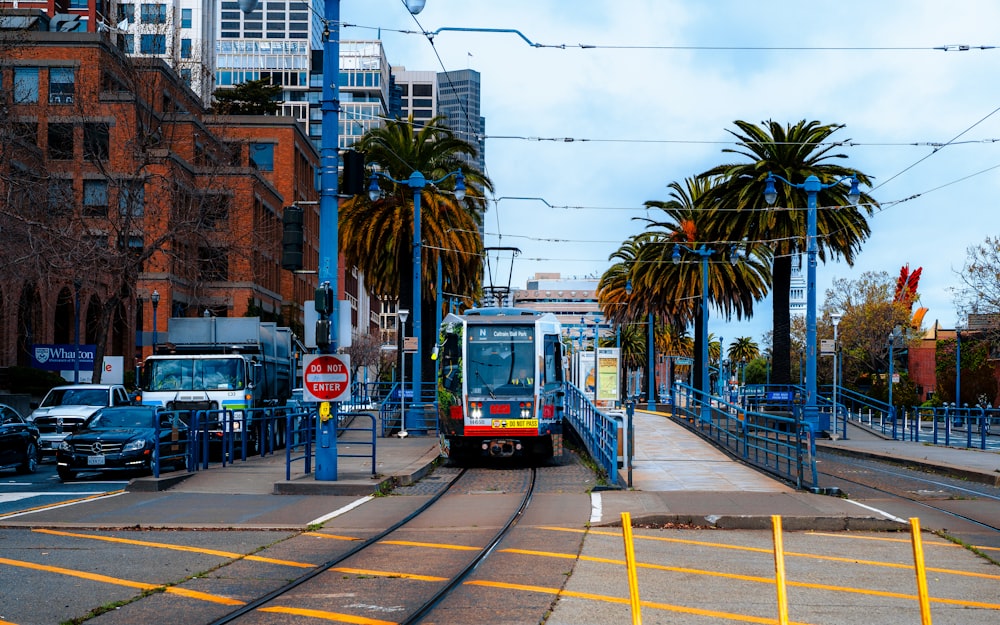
(220, 364)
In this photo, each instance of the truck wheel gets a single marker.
(65, 474)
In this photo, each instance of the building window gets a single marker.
(262, 155)
(213, 264)
(95, 198)
(185, 18)
(60, 195)
(95, 141)
(25, 85)
(61, 141)
(186, 75)
(153, 44)
(127, 44)
(132, 199)
(185, 48)
(62, 85)
(126, 13)
(154, 13)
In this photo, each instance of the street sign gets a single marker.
(683, 362)
(326, 377)
(410, 344)
(827, 347)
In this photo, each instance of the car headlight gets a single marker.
(137, 445)
(65, 446)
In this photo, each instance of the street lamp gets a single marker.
(706, 407)
(835, 318)
(895, 334)
(326, 457)
(416, 182)
(155, 299)
(812, 187)
(402, 314)
(650, 353)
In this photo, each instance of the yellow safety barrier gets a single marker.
(633, 579)
(779, 569)
(918, 561)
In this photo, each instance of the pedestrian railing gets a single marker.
(597, 431)
(778, 442)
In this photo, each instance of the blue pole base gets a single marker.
(326, 451)
(414, 420)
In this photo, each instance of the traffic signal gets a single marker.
(324, 300)
(354, 173)
(323, 334)
(291, 238)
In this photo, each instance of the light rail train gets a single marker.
(500, 384)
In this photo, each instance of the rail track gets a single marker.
(357, 564)
(942, 497)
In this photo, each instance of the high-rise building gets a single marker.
(458, 102)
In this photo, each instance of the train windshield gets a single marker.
(501, 360)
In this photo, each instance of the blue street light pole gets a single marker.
(650, 354)
(812, 186)
(706, 406)
(895, 334)
(416, 182)
(155, 299)
(329, 248)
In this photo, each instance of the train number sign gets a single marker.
(326, 377)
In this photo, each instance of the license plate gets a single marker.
(95, 461)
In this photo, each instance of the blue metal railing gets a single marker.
(597, 431)
(773, 438)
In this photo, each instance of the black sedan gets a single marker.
(124, 439)
(18, 442)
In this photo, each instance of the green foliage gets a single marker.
(34, 382)
(977, 371)
(254, 97)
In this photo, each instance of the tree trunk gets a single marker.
(781, 371)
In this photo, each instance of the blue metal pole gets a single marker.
(416, 182)
(958, 368)
(706, 408)
(76, 331)
(650, 353)
(892, 410)
(811, 412)
(326, 448)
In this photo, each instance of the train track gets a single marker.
(418, 605)
(921, 490)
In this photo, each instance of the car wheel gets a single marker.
(30, 464)
(65, 474)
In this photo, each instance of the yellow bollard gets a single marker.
(633, 579)
(918, 561)
(779, 570)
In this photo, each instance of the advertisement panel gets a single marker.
(608, 367)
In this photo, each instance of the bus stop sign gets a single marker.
(326, 377)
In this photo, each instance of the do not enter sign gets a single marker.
(326, 377)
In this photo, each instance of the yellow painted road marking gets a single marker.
(61, 504)
(935, 543)
(145, 543)
(624, 600)
(409, 543)
(330, 536)
(752, 578)
(700, 543)
(327, 616)
(117, 581)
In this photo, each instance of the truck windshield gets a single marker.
(75, 397)
(501, 360)
(183, 374)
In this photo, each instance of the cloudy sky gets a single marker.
(595, 132)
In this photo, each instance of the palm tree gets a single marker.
(793, 152)
(674, 290)
(376, 237)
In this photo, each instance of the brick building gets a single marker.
(117, 183)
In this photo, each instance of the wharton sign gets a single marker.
(59, 357)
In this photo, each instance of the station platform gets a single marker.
(676, 477)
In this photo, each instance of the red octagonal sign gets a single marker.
(326, 377)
